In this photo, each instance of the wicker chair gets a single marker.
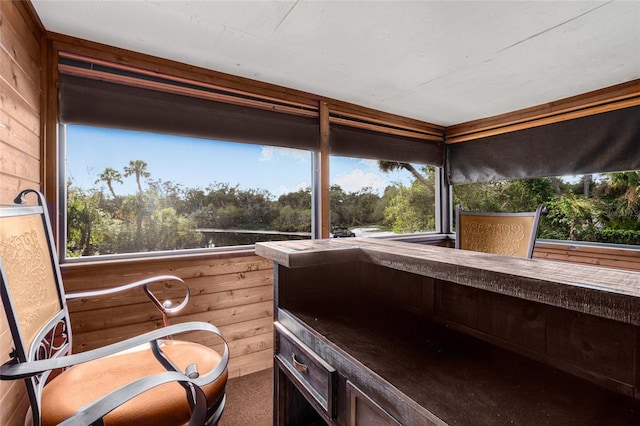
(510, 234)
(149, 379)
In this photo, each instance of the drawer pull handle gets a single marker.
(298, 365)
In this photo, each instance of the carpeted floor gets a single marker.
(249, 400)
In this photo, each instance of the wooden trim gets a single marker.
(70, 46)
(132, 81)
(608, 99)
(49, 136)
(157, 261)
(325, 197)
(356, 112)
(98, 51)
(594, 255)
(385, 129)
(185, 91)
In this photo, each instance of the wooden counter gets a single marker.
(602, 292)
(409, 334)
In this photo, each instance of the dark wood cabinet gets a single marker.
(313, 377)
(363, 411)
(366, 338)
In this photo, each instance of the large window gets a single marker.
(381, 198)
(599, 208)
(131, 192)
(159, 163)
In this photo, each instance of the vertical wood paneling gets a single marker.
(20, 123)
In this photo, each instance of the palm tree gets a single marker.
(109, 176)
(586, 184)
(388, 166)
(137, 168)
(628, 183)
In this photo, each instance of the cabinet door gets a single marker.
(363, 411)
(314, 377)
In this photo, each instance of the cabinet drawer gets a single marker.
(312, 375)
(363, 411)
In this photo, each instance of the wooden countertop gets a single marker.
(606, 293)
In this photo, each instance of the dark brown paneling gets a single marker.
(520, 322)
(597, 349)
(604, 348)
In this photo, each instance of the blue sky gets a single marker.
(198, 162)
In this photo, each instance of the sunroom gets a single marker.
(194, 138)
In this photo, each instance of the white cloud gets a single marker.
(270, 153)
(357, 179)
(287, 189)
(370, 164)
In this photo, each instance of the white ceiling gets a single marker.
(441, 62)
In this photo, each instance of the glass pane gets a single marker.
(598, 208)
(379, 198)
(130, 192)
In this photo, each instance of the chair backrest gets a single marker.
(510, 234)
(32, 292)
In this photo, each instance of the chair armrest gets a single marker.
(166, 307)
(101, 407)
(13, 371)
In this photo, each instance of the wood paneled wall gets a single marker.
(233, 291)
(594, 255)
(21, 40)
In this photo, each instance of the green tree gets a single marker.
(169, 231)
(388, 166)
(623, 193)
(137, 168)
(291, 219)
(572, 217)
(412, 209)
(363, 207)
(300, 199)
(483, 196)
(294, 212)
(526, 194)
(340, 214)
(109, 176)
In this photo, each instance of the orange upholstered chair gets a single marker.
(151, 379)
(510, 234)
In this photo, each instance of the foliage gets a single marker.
(513, 196)
(163, 215)
(618, 236)
(609, 212)
(350, 209)
(571, 218)
(412, 209)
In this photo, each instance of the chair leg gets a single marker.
(216, 411)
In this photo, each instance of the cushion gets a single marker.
(163, 405)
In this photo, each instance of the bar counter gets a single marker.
(373, 331)
(608, 293)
